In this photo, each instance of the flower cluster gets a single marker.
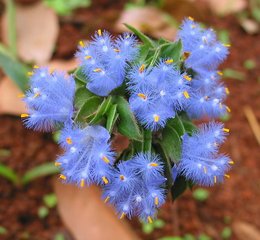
(203, 55)
(157, 93)
(104, 61)
(200, 161)
(49, 100)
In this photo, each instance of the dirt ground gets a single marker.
(235, 201)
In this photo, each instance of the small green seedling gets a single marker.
(200, 194)
(226, 233)
(3, 230)
(249, 64)
(234, 74)
(148, 228)
(50, 200)
(43, 212)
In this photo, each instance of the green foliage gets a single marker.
(224, 36)
(148, 228)
(65, 7)
(200, 194)
(178, 188)
(249, 64)
(231, 73)
(204, 237)
(59, 236)
(8, 174)
(3, 230)
(43, 212)
(226, 233)
(50, 200)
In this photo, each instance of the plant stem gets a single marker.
(147, 136)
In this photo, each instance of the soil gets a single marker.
(235, 200)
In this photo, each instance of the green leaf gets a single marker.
(81, 95)
(79, 75)
(189, 127)
(226, 233)
(249, 64)
(14, 70)
(40, 171)
(50, 200)
(59, 236)
(204, 237)
(112, 116)
(145, 39)
(172, 50)
(102, 110)
(171, 143)
(88, 109)
(147, 228)
(127, 124)
(8, 174)
(176, 124)
(43, 212)
(189, 237)
(231, 73)
(200, 194)
(159, 223)
(3, 230)
(147, 139)
(179, 187)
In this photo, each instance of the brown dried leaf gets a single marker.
(246, 231)
(87, 217)
(149, 20)
(37, 29)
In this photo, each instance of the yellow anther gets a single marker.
(231, 162)
(99, 32)
(81, 43)
(141, 69)
(36, 95)
(24, 115)
(228, 109)
(220, 73)
(153, 164)
(97, 70)
(227, 45)
(21, 95)
(141, 95)
(105, 159)
(193, 26)
(69, 140)
(122, 215)
(116, 50)
(149, 219)
(186, 55)
(188, 78)
(227, 90)
(82, 183)
(156, 201)
(35, 66)
(30, 73)
(156, 118)
(122, 177)
(227, 176)
(206, 97)
(220, 105)
(105, 180)
(63, 177)
(191, 18)
(57, 164)
(186, 94)
(226, 130)
(87, 57)
(169, 61)
(215, 179)
(107, 199)
(205, 170)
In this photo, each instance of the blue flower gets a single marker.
(200, 160)
(104, 61)
(88, 157)
(156, 93)
(49, 100)
(137, 188)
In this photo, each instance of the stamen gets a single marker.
(105, 180)
(99, 32)
(226, 130)
(122, 177)
(107, 199)
(193, 26)
(141, 69)
(149, 219)
(21, 95)
(156, 118)
(63, 177)
(186, 94)
(191, 18)
(220, 105)
(35, 66)
(141, 95)
(36, 95)
(220, 73)
(186, 54)
(105, 159)
(215, 179)
(153, 164)
(231, 162)
(57, 164)
(69, 140)
(116, 50)
(188, 78)
(30, 74)
(227, 90)
(156, 201)
(81, 43)
(227, 45)
(97, 70)
(227, 176)
(24, 115)
(228, 109)
(205, 170)
(82, 183)
(87, 57)
(122, 215)
(169, 61)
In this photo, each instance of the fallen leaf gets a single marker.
(149, 20)
(87, 217)
(10, 103)
(250, 26)
(246, 231)
(225, 7)
(37, 29)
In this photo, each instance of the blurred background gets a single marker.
(33, 202)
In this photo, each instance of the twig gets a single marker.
(252, 122)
